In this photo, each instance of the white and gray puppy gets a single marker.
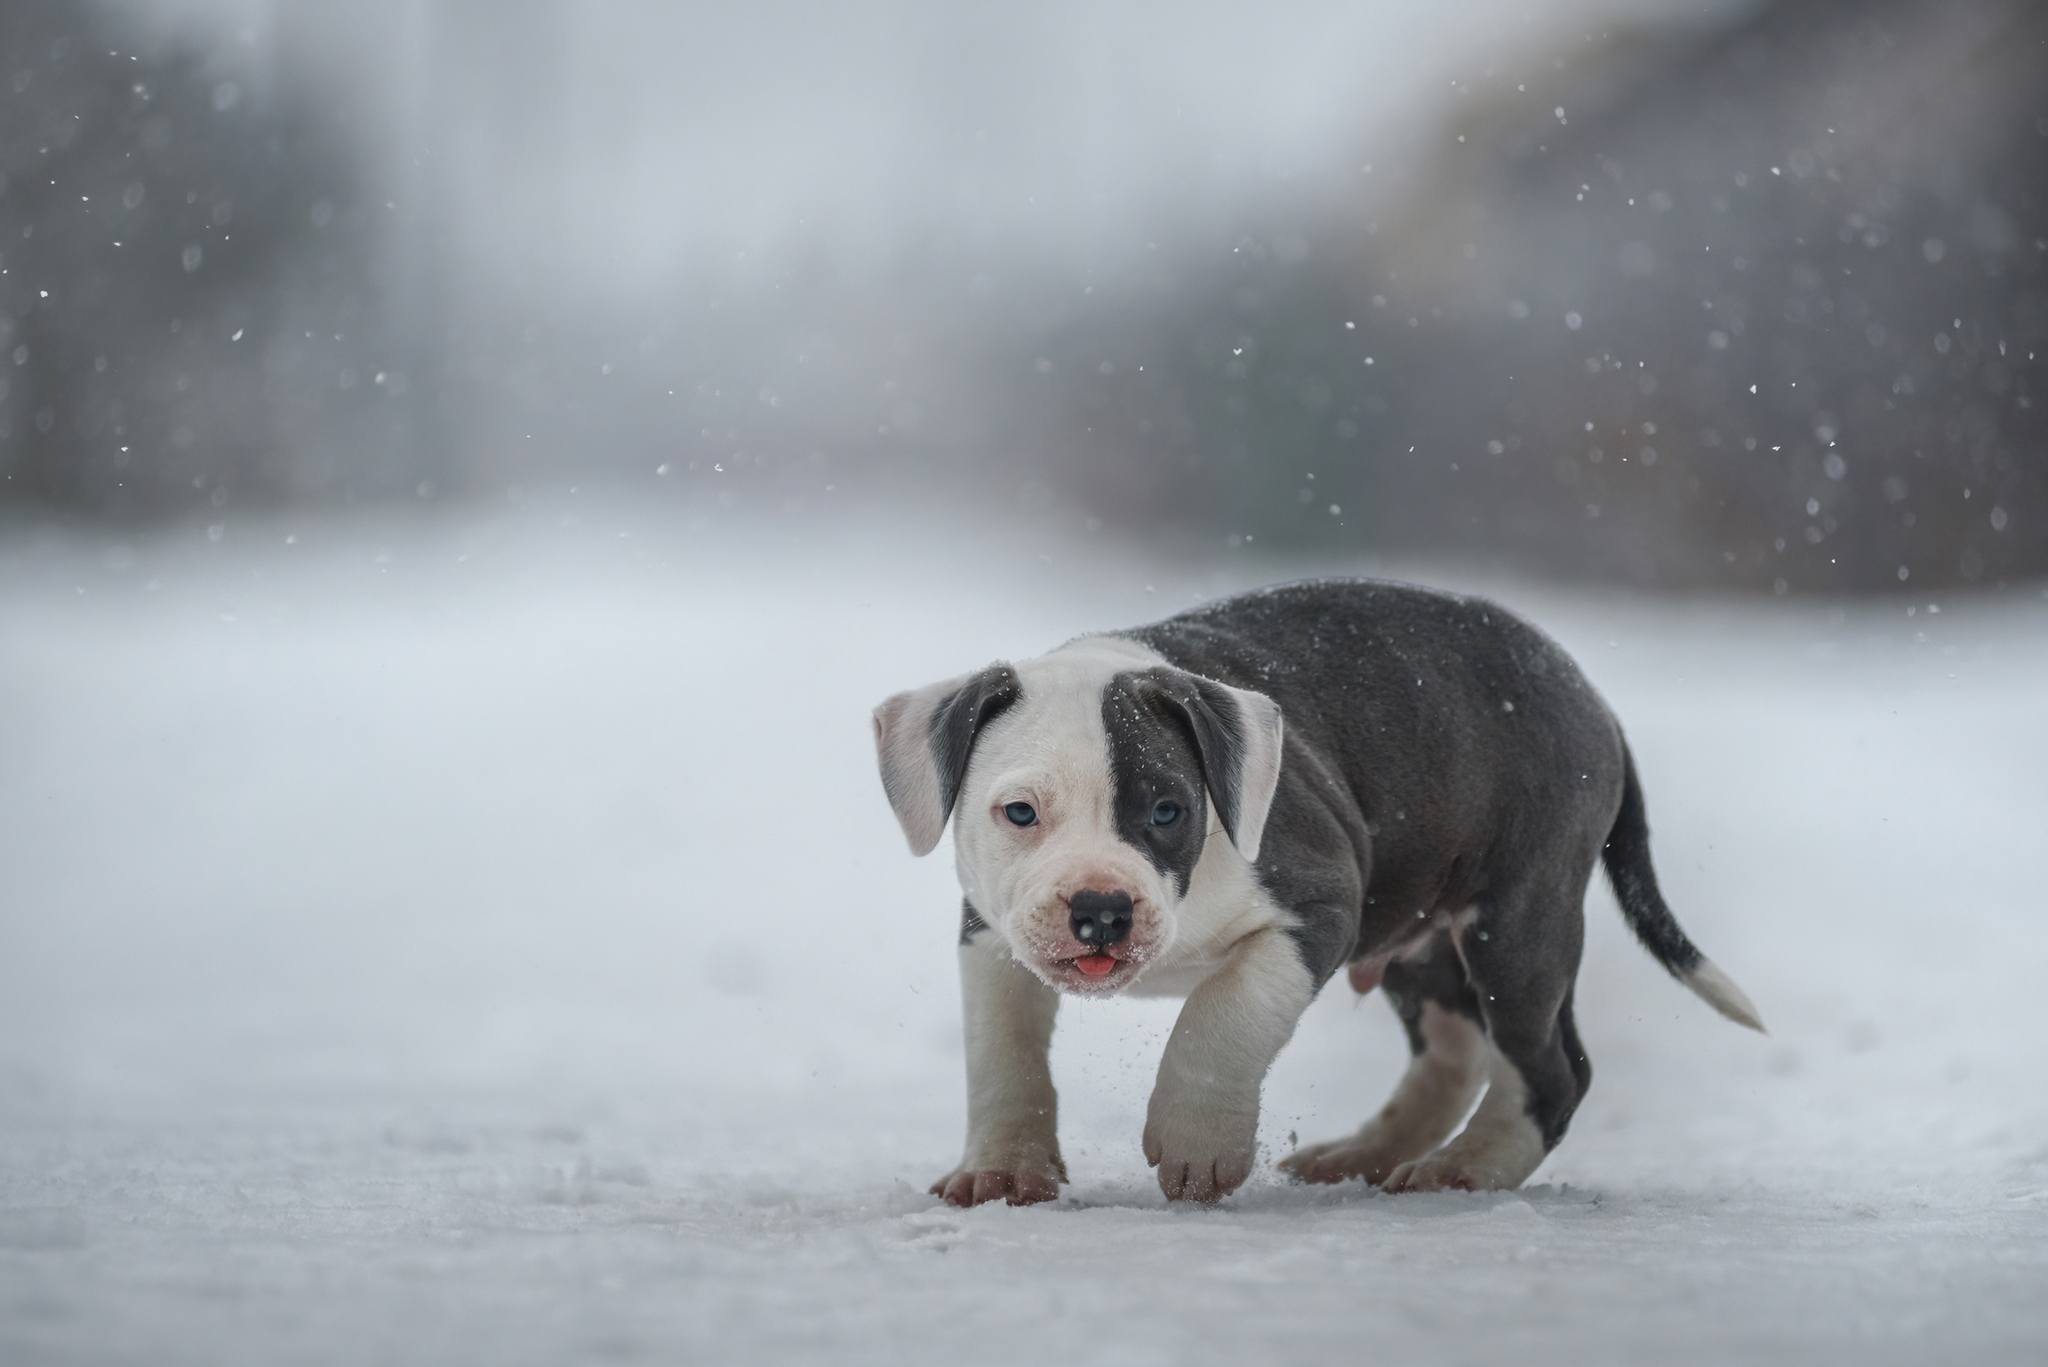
(1232, 804)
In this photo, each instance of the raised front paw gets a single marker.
(1203, 1153)
(1020, 1182)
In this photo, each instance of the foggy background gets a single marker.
(467, 470)
(1658, 294)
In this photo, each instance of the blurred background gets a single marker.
(1660, 294)
(467, 467)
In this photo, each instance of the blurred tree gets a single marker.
(190, 312)
(1765, 305)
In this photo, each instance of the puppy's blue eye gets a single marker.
(1165, 813)
(1021, 814)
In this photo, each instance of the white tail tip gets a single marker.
(1719, 991)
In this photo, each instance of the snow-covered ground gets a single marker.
(485, 940)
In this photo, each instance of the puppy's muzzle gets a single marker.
(1099, 919)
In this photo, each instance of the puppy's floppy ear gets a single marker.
(1237, 736)
(924, 738)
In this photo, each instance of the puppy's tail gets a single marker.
(1627, 857)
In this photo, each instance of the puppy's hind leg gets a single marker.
(1537, 1069)
(1443, 1079)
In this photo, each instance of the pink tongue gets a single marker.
(1095, 964)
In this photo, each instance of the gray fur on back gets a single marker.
(1437, 748)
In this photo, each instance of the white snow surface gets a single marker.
(484, 939)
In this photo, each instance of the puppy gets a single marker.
(1235, 803)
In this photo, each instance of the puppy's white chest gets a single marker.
(1224, 905)
(1174, 979)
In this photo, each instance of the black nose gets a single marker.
(1100, 918)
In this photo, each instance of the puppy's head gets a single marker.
(1084, 787)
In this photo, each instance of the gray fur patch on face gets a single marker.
(1156, 771)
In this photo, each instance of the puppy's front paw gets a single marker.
(1020, 1182)
(1203, 1152)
